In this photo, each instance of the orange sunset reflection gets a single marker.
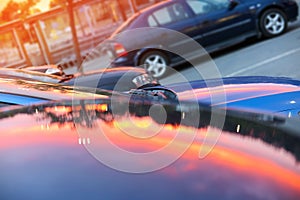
(253, 158)
(237, 155)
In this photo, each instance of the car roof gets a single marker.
(51, 78)
(24, 92)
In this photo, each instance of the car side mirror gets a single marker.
(232, 4)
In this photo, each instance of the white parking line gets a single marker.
(264, 62)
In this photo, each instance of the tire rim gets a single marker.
(274, 23)
(156, 65)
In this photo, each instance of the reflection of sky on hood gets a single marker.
(39, 163)
(234, 92)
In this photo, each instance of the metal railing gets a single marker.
(45, 38)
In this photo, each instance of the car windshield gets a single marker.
(148, 99)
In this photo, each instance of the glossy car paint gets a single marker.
(214, 31)
(256, 94)
(23, 92)
(44, 157)
(118, 79)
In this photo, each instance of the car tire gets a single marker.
(155, 63)
(273, 22)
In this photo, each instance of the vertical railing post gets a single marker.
(74, 36)
(43, 43)
(21, 47)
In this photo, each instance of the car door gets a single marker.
(221, 21)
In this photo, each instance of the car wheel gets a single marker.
(155, 62)
(273, 22)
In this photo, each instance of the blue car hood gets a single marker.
(256, 94)
(80, 150)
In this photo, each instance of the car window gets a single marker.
(152, 21)
(167, 15)
(200, 7)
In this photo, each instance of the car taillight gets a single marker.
(120, 50)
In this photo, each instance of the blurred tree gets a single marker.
(14, 10)
(9, 11)
(54, 3)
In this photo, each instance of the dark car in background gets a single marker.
(214, 24)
